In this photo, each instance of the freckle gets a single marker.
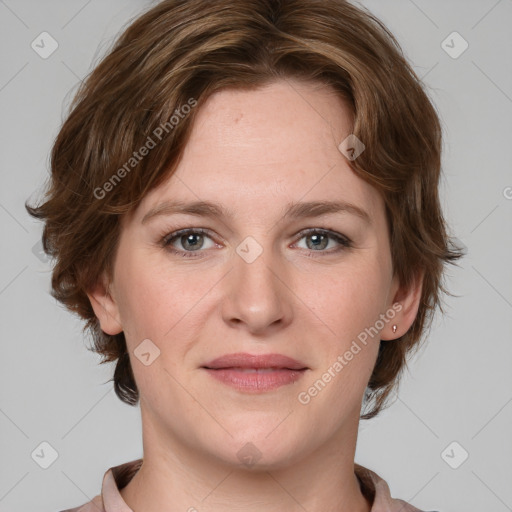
(238, 118)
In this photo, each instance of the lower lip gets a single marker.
(256, 381)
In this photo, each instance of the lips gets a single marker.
(255, 373)
(243, 361)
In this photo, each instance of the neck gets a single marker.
(181, 478)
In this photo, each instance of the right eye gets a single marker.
(190, 238)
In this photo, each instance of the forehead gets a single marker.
(253, 150)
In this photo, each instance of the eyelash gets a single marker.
(167, 240)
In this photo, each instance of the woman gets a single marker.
(244, 210)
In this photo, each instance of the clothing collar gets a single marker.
(373, 487)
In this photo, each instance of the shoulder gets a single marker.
(114, 479)
(95, 505)
(376, 489)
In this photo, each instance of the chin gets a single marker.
(259, 449)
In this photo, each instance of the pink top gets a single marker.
(373, 487)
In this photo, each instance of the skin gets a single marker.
(254, 152)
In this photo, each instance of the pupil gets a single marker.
(318, 239)
(190, 238)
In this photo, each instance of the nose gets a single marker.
(257, 295)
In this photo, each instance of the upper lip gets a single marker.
(243, 360)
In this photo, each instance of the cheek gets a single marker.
(150, 300)
(346, 299)
(163, 303)
(349, 304)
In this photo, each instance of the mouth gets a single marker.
(255, 373)
(252, 370)
(255, 361)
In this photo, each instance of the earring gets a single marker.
(394, 329)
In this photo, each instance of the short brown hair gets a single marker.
(188, 49)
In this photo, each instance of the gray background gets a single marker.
(458, 389)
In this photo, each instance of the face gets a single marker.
(259, 277)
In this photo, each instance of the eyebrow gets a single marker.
(291, 211)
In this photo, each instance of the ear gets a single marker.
(405, 302)
(105, 306)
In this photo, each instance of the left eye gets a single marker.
(319, 236)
